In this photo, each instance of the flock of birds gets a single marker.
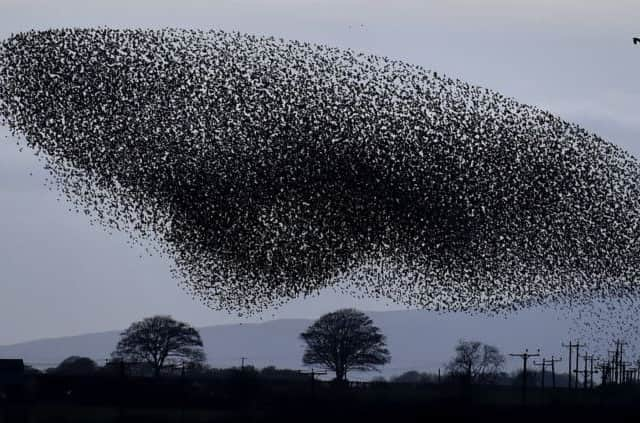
(270, 169)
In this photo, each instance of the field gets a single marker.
(103, 399)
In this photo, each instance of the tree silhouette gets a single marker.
(159, 341)
(476, 362)
(413, 376)
(345, 340)
(75, 366)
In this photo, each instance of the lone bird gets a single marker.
(636, 40)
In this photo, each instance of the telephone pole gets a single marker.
(525, 356)
(618, 362)
(553, 362)
(588, 373)
(629, 374)
(578, 345)
(592, 371)
(604, 367)
(313, 375)
(614, 365)
(611, 366)
(571, 347)
(625, 371)
(623, 364)
(242, 364)
(543, 365)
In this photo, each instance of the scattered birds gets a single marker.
(270, 169)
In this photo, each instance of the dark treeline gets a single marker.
(158, 372)
(248, 394)
(83, 366)
(514, 378)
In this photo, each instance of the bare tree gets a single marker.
(159, 341)
(476, 362)
(343, 341)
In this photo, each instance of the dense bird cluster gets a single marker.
(270, 169)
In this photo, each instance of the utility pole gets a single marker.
(592, 371)
(242, 365)
(619, 361)
(543, 365)
(576, 373)
(614, 364)
(577, 360)
(313, 375)
(623, 364)
(603, 367)
(553, 362)
(588, 372)
(571, 346)
(525, 356)
(625, 371)
(611, 366)
(616, 356)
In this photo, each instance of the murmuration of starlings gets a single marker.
(269, 169)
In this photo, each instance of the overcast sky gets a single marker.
(59, 275)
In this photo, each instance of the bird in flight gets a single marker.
(636, 40)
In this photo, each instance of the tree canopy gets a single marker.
(75, 366)
(159, 341)
(343, 341)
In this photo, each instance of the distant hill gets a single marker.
(418, 340)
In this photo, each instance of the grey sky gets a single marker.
(59, 275)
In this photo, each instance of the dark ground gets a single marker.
(47, 398)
